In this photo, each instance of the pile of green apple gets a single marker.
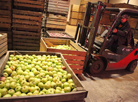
(65, 47)
(26, 75)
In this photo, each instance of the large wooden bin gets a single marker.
(3, 44)
(74, 57)
(76, 96)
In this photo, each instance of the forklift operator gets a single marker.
(121, 35)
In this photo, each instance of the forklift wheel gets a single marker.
(97, 67)
(132, 66)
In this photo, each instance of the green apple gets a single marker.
(58, 88)
(47, 85)
(3, 91)
(27, 77)
(37, 88)
(13, 74)
(32, 89)
(53, 84)
(2, 84)
(41, 85)
(66, 84)
(70, 81)
(67, 89)
(36, 92)
(25, 89)
(42, 93)
(11, 92)
(58, 83)
(18, 88)
(7, 95)
(29, 94)
(63, 80)
(5, 74)
(8, 70)
(69, 76)
(23, 94)
(50, 91)
(44, 80)
(57, 91)
(7, 85)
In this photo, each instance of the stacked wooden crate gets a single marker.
(57, 14)
(3, 43)
(82, 9)
(5, 19)
(74, 14)
(26, 24)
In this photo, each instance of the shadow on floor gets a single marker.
(105, 75)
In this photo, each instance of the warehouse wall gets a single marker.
(132, 2)
(76, 2)
(118, 1)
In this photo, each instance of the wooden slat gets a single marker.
(78, 53)
(29, 13)
(26, 33)
(25, 17)
(74, 57)
(30, 2)
(26, 48)
(5, 12)
(6, 20)
(28, 5)
(77, 67)
(3, 49)
(75, 62)
(25, 40)
(3, 44)
(25, 44)
(3, 41)
(77, 71)
(3, 36)
(26, 36)
(26, 22)
(4, 25)
(3, 52)
(27, 27)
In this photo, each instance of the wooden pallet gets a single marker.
(74, 57)
(32, 5)
(3, 44)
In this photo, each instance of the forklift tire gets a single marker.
(132, 66)
(96, 67)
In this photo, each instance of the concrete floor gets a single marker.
(110, 86)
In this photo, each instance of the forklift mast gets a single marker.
(85, 29)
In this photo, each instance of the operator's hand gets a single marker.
(115, 30)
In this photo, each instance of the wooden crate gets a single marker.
(56, 21)
(73, 22)
(5, 4)
(3, 44)
(60, 34)
(59, 6)
(26, 29)
(74, 57)
(76, 96)
(32, 5)
(75, 8)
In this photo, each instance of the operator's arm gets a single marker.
(124, 31)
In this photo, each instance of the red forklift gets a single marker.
(99, 58)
